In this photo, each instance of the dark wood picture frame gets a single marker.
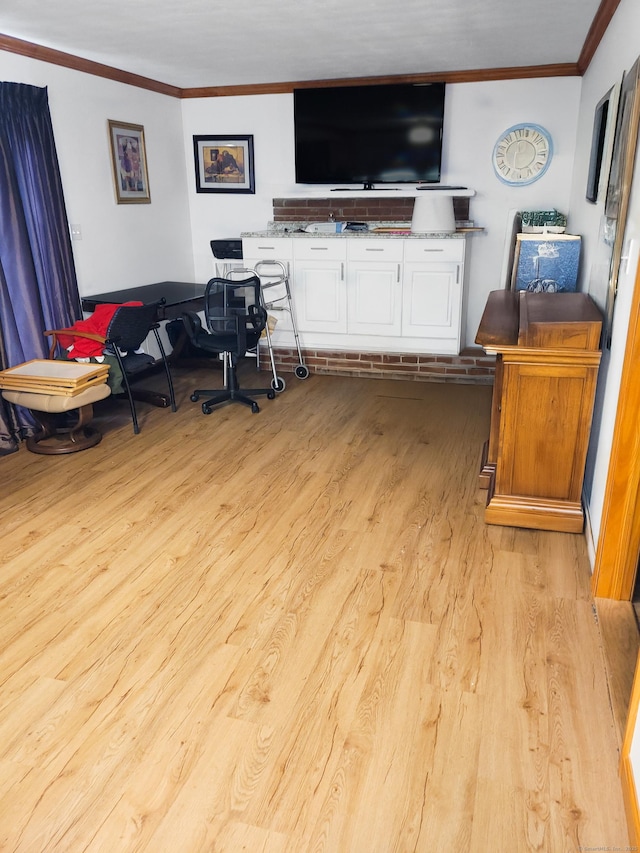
(224, 164)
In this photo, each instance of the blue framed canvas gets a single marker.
(546, 263)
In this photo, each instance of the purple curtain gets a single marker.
(38, 286)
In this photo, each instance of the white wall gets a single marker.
(127, 244)
(475, 116)
(616, 54)
(269, 118)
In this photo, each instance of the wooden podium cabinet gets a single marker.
(547, 359)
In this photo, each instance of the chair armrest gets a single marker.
(76, 333)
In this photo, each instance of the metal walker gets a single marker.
(270, 279)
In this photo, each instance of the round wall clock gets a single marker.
(522, 154)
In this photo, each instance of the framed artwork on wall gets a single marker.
(224, 164)
(620, 177)
(604, 124)
(129, 163)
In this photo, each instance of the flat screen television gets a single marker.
(369, 134)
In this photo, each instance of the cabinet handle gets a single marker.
(318, 248)
(398, 275)
(341, 270)
(266, 248)
(433, 250)
(381, 249)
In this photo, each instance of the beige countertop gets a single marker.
(296, 229)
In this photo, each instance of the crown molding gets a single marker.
(605, 13)
(567, 69)
(599, 25)
(68, 60)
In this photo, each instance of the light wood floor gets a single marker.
(292, 631)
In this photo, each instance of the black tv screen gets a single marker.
(369, 134)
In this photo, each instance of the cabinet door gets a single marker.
(319, 295)
(432, 300)
(374, 298)
(319, 284)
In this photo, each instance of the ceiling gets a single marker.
(196, 43)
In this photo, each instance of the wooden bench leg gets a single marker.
(53, 439)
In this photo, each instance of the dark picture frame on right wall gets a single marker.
(604, 125)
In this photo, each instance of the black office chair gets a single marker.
(125, 333)
(235, 320)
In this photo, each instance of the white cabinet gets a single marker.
(432, 290)
(366, 293)
(318, 290)
(374, 287)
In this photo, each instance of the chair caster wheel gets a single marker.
(255, 408)
(302, 371)
(271, 394)
(205, 409)
(194, 398)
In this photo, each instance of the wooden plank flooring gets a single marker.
(292, 632)
(621, 642)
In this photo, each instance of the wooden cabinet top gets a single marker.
(544, 320)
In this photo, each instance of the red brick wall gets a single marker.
(472, 366)
(354, 209)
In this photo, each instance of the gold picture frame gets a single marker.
(129, 162)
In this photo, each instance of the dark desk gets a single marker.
(173, 296)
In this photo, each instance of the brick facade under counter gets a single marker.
(472, 366)
(359, 209)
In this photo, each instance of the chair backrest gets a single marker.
(235, 308)
(131, 324)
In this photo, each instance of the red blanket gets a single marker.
(97, 324)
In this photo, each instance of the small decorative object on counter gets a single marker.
(539, 221)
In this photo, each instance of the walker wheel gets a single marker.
(278, 384)
(302, 371)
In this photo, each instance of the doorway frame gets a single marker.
(618, 547)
